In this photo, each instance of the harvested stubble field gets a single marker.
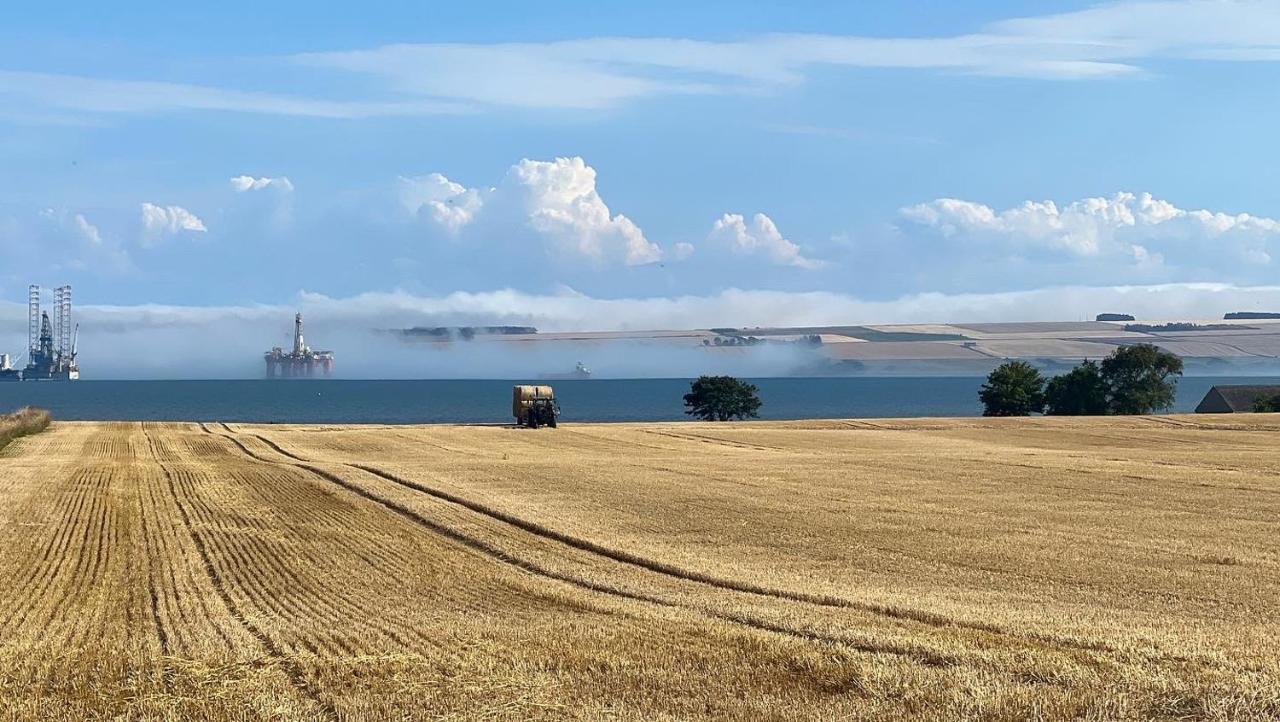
(993, 569)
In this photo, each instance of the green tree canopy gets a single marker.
(1014, 388)
(721, 398)
(1141, 379)
(1267, 403)
(1080, 392)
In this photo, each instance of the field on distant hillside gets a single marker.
(994, 569)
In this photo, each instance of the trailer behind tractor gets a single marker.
(534, 406)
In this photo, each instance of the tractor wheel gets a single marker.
(533, 419)
(551, 421)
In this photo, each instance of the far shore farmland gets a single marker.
(1051, 568)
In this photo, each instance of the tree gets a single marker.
(1080, 392)
(721, 398)
(1014, 388)
(1267, 403)
(1141, 379)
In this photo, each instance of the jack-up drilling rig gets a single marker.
(302, 361)
(51, 347)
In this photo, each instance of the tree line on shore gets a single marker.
(1137, 379)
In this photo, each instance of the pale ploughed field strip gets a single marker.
(927, 569)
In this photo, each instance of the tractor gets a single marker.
(534, 406)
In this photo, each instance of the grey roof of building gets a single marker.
(1236, 398)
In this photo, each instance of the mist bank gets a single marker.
(152, 341)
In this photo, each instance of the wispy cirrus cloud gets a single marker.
(1111, 40)
(112, 96)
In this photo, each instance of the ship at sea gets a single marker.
(580, 371)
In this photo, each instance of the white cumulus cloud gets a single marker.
(87, 230)
(246, 183)
(682, 250)
(561, 199)
(159, 221)
(1137, 225)
(555, 199)
(450, 205)
(760, 236)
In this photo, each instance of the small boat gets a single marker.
(580, 371)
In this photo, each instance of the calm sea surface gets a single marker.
(337, 401)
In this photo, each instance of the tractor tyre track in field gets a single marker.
(235, 571)
(919, 654)
(667, 570)
(702, 438)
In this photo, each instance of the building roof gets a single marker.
(1227, 399)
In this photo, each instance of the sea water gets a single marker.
(470, 401)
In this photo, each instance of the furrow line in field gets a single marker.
(69, 580)
(417, 440)
(103, 517)
(1134, 499)
(326, 602)
(669, 570)
(178, 479)
(156, 552)
(250, 555)
(49, 508)
(339, 602)
(276, 495)
(469, 541)
(1057, 581)
(220, 541)
(717, 441)
(40, 579)
(50, 514)
(90, 557)
(297, 676)
(922, 655)
(537, 569)
(246, 561)
(613, 442)
(863, 425)
(1165, 421)
(169, 613)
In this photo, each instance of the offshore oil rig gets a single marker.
(51, 346)
(301, 362)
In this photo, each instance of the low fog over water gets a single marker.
(176, 342)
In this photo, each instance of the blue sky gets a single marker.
(270, 154)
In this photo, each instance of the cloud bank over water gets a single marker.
(156, 341)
